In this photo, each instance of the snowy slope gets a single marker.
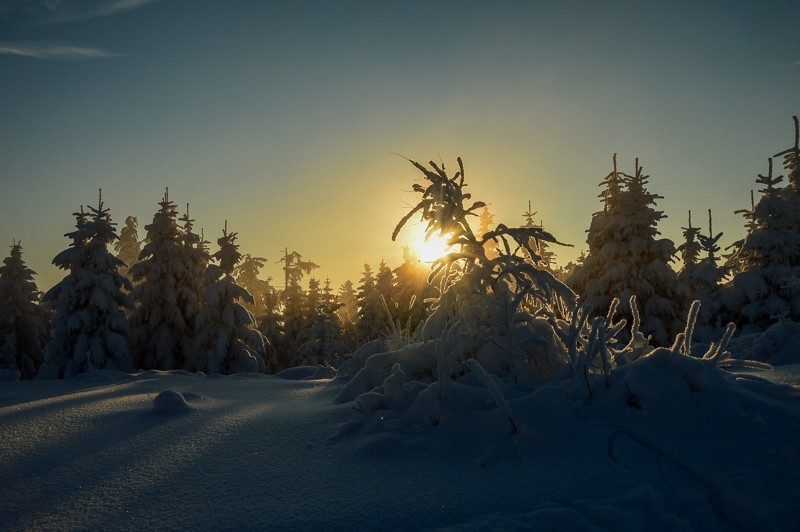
(667, 446)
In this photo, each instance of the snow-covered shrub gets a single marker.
(480, 323)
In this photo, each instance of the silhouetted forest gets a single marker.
(163, 297)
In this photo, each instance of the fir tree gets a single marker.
(158, 325)
(485, 222)
(90, 330)
(690, 252)
(625, 258)
(545, 257)
(294, 320)
(765, 290)
(371, 314)
(246, 275)
(327, 297)
(191, 286)
(294, 267)
(227, 340)
(384, 284)
(23, 322)
(265, 307)
(597, 236)
(347, 311)
(320, 341)
(706, 286)
(128, 246)
(293, 298)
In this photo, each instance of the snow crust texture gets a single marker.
(673, 443)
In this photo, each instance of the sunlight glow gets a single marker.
(431, 249)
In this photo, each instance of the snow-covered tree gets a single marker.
(266, 305)
(294, 320)
(485, 222)
(347, 311)
(689, 252)
(90, 330)
(384, 284)
(765, 290)
(480, 313)
(348, 303)
(547, 257)
(158, 325)
(227, 340)
(128, 246)
(320, 340)
(734, 261)
(246, 275)
(24, 324)
(191, 286)
(372, 322)
(626, 258)
(703, 276)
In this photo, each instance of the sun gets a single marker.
(430, 249)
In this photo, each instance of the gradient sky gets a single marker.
(282, 116)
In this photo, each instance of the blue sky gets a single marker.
(283, 117)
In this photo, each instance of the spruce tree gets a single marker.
(766, 288)
(347, 311)
(246, 275)
(384, 284)
(128, 246)
(545, 256)
(486, 219)
(626, 258)
(24, 324)
(597, 235)
(227, 340)
(158, 325)
(90, 330)
(372, 322)
(690, 252)
(191, 285)
(293, 299)
(320, 341)
(294, 320)
(706, 286)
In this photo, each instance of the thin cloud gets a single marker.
(61, 11)
(57, 51)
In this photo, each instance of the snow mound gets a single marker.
(299, 373)
(778, 345)
(171, 402)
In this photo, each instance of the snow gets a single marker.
(673, 443)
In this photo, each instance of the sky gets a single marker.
(286, 118)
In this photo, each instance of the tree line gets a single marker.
(167, 302)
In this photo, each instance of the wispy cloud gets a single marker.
(51, 50)
(61, 11)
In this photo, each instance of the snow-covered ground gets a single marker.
(671, 444)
